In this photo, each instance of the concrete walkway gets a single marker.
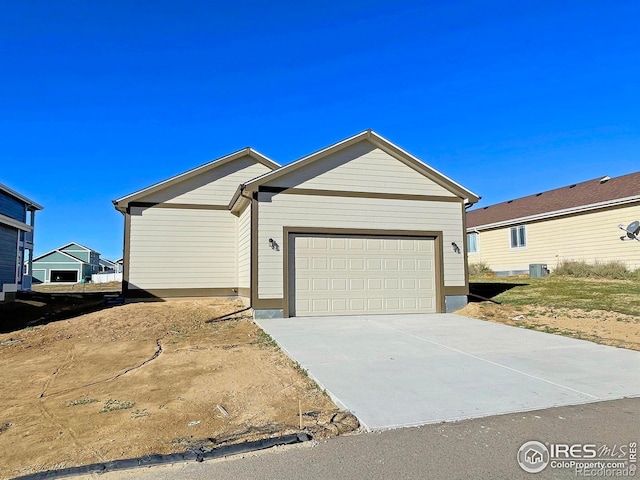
(404, 370)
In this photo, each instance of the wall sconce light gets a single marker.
(274, 245)
(455, 246)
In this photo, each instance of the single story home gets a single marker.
(576, 222)
(70, 263)
(17, 217)
(359, 227)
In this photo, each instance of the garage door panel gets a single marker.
(359, 275)
(338, 264)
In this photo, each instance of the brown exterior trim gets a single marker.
(438, 254)
(253, 257)
(460, 290)
(464, 249)
(309, 159)
(269, 304)
(244, 292)
(421, 168)
(123, 202)
(349, 194)
(190, 206)
(126, 254)
(181, 292)
(384, 145)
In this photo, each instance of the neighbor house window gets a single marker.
(472, 242)
(518, 237)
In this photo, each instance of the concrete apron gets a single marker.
(405, 370)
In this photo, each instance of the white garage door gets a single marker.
(339, 275)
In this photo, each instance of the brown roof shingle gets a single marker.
(572, 196)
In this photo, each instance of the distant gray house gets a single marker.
(17, 216)
(107, 266)
(70, 263)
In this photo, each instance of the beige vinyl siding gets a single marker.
(589, 237)
(215, 187)
(362, 168)
(353, 213)
(244, 248)
(182, 248)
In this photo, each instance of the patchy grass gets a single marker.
(81, 401)
(479, 269)
(615, 270)
(621, 296)
(264, 340)
(112, 405)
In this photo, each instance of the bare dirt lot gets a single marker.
(148, 378)
(608, 328)
(77, 287)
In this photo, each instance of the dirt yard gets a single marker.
(77, 287)
(608, 328)
(148, 378)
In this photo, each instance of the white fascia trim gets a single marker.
(15, 223)
(82, 247)
(75, 260)
(557, 213)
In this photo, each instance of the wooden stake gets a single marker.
(300, 412)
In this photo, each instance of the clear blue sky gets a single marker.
(99, 99)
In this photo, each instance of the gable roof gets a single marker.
(592, 194)
(377, 140)
(121, 203)
(61, 252)
(78, 245)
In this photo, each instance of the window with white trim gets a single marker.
(518, 236)
(472, 242)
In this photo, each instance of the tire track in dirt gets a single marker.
(155, 355)
(46, 414)
(70, 357)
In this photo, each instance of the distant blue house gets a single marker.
(70, 263)
(17, 216)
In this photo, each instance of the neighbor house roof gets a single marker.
(78, 245)
(30, 203)
(39, 257)
(377, 140)
(122, 203)
(592, 194)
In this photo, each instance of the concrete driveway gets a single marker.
(404, 370)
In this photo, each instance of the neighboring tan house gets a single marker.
(17, 216)
(360, 227)
(70, 263)
(576, 222)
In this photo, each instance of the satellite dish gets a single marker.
(633, 229)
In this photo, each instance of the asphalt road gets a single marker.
(484, 448)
